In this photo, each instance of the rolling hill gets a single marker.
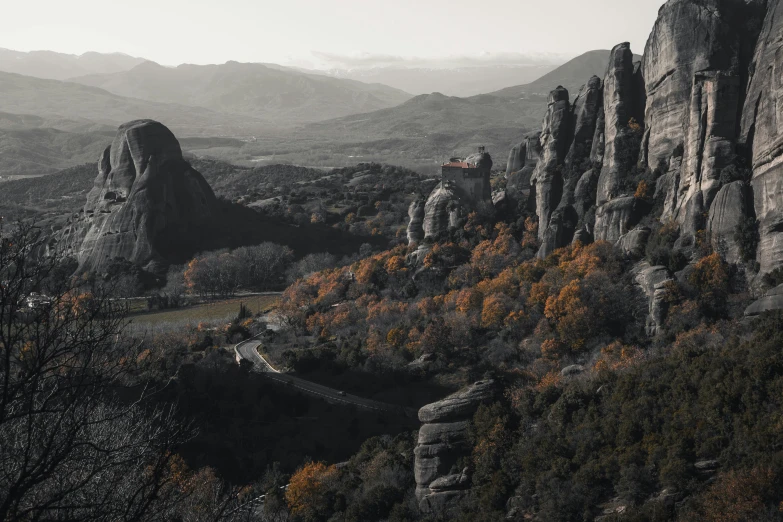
(270, 93)
(52, 99)
(44, 150)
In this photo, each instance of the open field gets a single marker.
(225, 309)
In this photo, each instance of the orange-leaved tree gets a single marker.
(305, 493)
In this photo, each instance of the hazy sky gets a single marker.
(291, 31)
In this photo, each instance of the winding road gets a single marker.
(248, 350)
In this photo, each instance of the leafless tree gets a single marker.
(80, 437)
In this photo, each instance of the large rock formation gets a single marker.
(465, 184)
(653, 282)
(555, 141)
(621, 106)
(618, 217)
(147, 206)
(516, 158)
(730, 207)
(440, 211)
(762, 135)
(705, 98)
(569, 141)
(416, 213)
(695, 66)
(443, 440)
(518, 187)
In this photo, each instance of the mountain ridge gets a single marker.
(270, 93)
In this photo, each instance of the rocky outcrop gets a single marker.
(634, 243)
(516, 158)
(688, 37)
(587, 109)
(518, 183)
(695, 66)
(585, 193)
(582, 237)
(439, 211)
(618, 217)
(653, 282)
(731, 206)
(147, 206)
(555, 141)
(621, 105)
(442, 441)
(563, 192)
(709, 145)
(560, 232)
(772, 300)
(416, 214)
(762, 135)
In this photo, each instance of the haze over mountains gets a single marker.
(452, 76)
(280, 95)
(260, 113)
(61, 66)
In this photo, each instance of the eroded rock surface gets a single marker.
(772, 300)
(443, 440)
(731, 206)
(762, 134)
(621, 105)
(416, 221)
(618, 217)
(634, 243)
(516, 158)
(555, 140)
(439, 211)
(147, 206)
(653, 282)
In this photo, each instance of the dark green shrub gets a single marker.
(747, 236)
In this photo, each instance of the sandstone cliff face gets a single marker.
(695, 66)
(586, 112)
(762, 134)
(706, 96)
(518, 182)
(618, 217)
(652, 280)
(688, 37)
(569, 141)
(555, 141)
(147, 205)
(416, 221)
(443, 440)
(731, 205)
(516, 158)
(621, 104)
(439, 211)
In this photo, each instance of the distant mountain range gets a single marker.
(571, 75)
(273, 94)
(254, 114)
(52, 99)
(456, 81)
(60, 66)
(428, 128)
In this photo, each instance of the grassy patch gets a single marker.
(225, 309)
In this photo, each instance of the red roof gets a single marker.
(460, 164)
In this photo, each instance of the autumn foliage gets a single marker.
(306, 487)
